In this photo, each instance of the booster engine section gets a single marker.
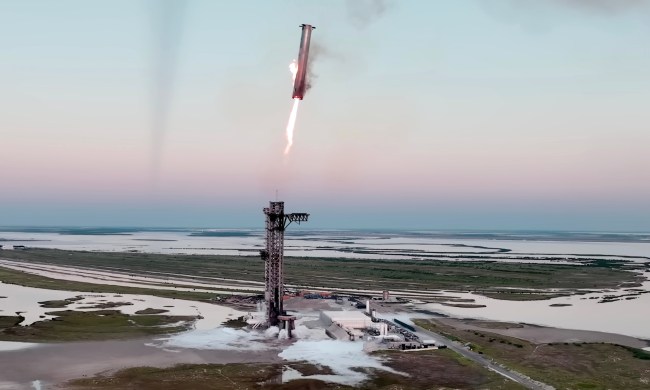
(300, 83)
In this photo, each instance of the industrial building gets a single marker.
(350, 319)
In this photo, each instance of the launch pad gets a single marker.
(273, 255)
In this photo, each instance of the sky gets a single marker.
(471, 114)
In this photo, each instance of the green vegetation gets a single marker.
(107, 305)
(425, 370)
(10, 276)
(496, 324)
(562, 365)
(639, 353)
(239, 322)
(433, 326)
(9, 321)
(151, 311)
(236, 376)
(433, 369)
(93, 325)
(484, 276)
(59, 303)
(514, 295)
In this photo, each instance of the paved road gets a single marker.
(462, 350)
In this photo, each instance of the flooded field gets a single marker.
(25, 300)
(624, 311)
(349, 244)
(207, 342)
(617, 307)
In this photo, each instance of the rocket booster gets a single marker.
(300, 83)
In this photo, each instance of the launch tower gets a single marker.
(273, 255)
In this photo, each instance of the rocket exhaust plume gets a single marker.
(291, 125)
(293, 68)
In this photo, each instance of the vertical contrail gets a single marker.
(167, 29)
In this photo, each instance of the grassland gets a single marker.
(485, 276)
(436, 369)
(236, 376)
(9, 321)
(562, 365)
(11, 276)
(93, 325)
(425, 370)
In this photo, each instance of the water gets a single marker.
(25, 300)
(225, 339)
(626, 317)
(349, 244)
(341, 356)
(129, 280)
(15, 345)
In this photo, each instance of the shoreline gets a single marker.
(82, 359)
(538, 334)
(55, 363)
(43, 362)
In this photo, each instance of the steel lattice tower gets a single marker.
(276, 223)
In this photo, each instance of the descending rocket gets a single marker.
(300, 83)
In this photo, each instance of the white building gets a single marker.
(346, 319)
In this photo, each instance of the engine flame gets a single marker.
(291, 125)
(293, 68)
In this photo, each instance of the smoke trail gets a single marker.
(604, 5)
(364, 12)
(316, 51)
(167, 28)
